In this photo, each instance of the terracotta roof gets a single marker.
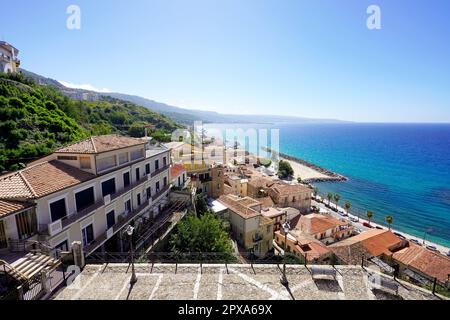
(375, 241)
(238, 208)
(316, 223)
(283, 188)
(99, 144)
(259, 182)
(272, 212)
(9, 207)
(176, 170)
(40, 180)
(266, 202)
(249, 202)
(313, 248)
(427, 262)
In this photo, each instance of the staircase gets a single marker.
(28, 266)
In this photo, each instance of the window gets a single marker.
(138, 199)
(138, 176)
(147, 168)
(85, 162)
(58, 209)
(165, 181)
(26, 223)
(84, 198)
(179, 181)
(87, 235)
(123, 158)
(63, 246)
(157, 186)
(164, 161)
(128, 206)
(106, 163)
(70, 158)
(149, 192)
(109, 187)
(110, 219)
(126, 179)
(156, 164)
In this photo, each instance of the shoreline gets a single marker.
(441, 248)
(307, 171)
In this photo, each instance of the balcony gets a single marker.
(153, 174)
(160, 192)
(124, 220)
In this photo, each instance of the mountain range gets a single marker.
(180, 115)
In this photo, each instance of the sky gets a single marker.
(314, 58)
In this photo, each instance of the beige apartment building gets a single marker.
(251, 229)
(87, 191)
(290, 195)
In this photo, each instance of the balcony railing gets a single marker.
(68, 220)
(126, 218)
(160, 170)
(160, 192)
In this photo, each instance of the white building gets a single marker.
(87, 191)
(8, 58)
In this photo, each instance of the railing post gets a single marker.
(434, 285)
(20, 292)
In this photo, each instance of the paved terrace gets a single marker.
(225, 282)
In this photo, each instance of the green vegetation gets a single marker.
(347, 206)
(264, 162)
(389, 221)
(35, 120)
(204, 234)
(329, 197)
(337, 197)
(369, 215)
(200, 204)
(284, 169)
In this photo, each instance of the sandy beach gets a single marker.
(306, 173)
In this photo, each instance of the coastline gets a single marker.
(307, 171)
(443, 249)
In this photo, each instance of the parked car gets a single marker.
(366, 224)
(378, 227)
(432, 248)
(415, 241)
(353, 219)
(448, 254)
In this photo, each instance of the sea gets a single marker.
(402, 170)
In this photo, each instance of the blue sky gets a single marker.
(312, 58)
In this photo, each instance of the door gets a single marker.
(3, 242)
(88, 235)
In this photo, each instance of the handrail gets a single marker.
(14, 270)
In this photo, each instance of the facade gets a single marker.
(290, 195)
(8, 58)
(178, 175)
(250, 228)
(257, 186)
(87, 191)
(236, 185)
(208, 179)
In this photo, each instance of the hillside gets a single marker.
(35, 120)
(181, 115)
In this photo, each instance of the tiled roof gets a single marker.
(316, 223)
(284, 188)
(230, 202)
(429, 263)
(99, 144)
(266, 202)
(259, 182)
(8, 207)
(40, 180)
(176, 170)
(249, 202)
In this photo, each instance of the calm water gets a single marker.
(397, 169)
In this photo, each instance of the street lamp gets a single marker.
(286, 228)
(129, 230)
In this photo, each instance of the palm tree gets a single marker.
(315, 191)
(389, 220)
(347, 206)
(369, 215)
(329, 196)
(337, 197)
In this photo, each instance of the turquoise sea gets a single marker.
(397, 169)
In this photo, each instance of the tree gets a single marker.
(369, 215)
(347, 206)
(337, 197)
(200, 234)
(284, 169)
(299, 179)
(329, 196)
(200, 204)
(389, 219)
